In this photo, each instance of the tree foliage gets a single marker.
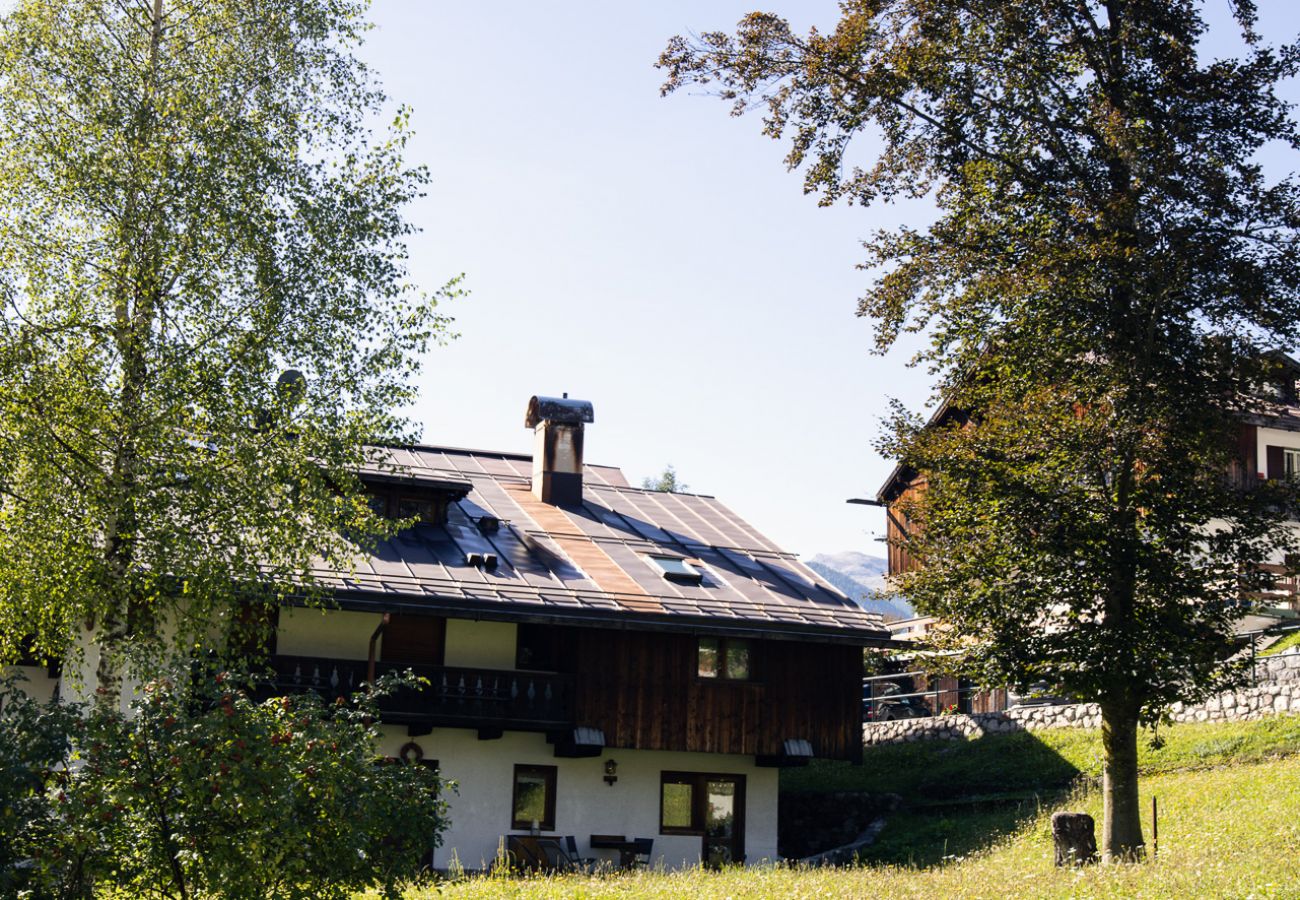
(34, 741)
(192, 201)
(1106, 269)
(202, 790)
(666, 481)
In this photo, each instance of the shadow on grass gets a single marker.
(956, 797)
(932, 835)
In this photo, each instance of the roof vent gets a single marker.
(557, 453)
(485, 561)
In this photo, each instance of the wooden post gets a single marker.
(1155, 828)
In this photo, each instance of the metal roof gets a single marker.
(591, 563)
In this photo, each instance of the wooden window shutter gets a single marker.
(414, 639)
(1276, 466)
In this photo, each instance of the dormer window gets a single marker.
(677, 570)
(415, 507)
(403, 505)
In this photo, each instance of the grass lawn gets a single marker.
(1229, 825)
(1040, 760)
(1289, 642)
(1231, 832)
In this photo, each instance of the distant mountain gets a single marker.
(858, 576)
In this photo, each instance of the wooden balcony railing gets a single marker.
(455, 697)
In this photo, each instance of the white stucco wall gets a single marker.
(488, 645)
(336, 633)
(1273, 437)
(36, 682)
(585, 805)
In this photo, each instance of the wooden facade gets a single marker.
(642, 690)
(898, 526)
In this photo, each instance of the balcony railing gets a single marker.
(455, 697)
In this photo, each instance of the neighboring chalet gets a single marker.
(1268, 447)
(604, 662)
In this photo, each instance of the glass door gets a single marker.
(724, 821)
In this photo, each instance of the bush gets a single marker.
(204, 790)
(34, 745)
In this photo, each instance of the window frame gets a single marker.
(722, 675)
(699, 782)
(399, 625)
(691, 576)
(696, 782)
(550, 776)
(1291, 472)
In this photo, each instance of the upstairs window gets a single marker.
(728, 659)
(677, 570)
(1291, 464)
(543, 648)
(390, 504)
(417, 640)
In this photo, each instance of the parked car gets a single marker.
(884, 701)
(1040, 693)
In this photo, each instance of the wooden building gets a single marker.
(604, 662)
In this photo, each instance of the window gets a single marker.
(679, 811)
(700, 803)
(415, 507)
(534, 798)
(418, 640)
(1291, 464)
(543, 648)
(726, 658)
(677, 570)
(389, 505)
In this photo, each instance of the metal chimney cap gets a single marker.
(558, 409)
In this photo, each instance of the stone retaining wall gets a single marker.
(1277, 692)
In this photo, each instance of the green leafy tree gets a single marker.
(203, 790)
(192, 202)
(667, 481)
(35, 742)
(1106, 265)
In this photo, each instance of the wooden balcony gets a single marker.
(455, 697)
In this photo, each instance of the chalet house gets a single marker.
(1268, 448)
(604, 662)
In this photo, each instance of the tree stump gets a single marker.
(1074, 835)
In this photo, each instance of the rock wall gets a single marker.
(1278, 691)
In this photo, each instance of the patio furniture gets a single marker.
(582, 863)
(631, 854)
(641, 851)
(531, 853)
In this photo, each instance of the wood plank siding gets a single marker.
(642, 690)
(898, 526)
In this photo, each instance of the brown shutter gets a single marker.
(1247, 445)
(414, 639)
(1276, 467)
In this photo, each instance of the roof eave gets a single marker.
(368, 601)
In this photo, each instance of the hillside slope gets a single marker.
(859, 576)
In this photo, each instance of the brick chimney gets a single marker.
(557, 451)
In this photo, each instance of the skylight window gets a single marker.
(677, 570)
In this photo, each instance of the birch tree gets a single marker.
(204, 312)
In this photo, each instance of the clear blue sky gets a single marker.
(650, 255)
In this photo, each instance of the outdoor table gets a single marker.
(627, 850)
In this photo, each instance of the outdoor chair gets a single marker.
(585, 864)
(641, 852)
(556, 859)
